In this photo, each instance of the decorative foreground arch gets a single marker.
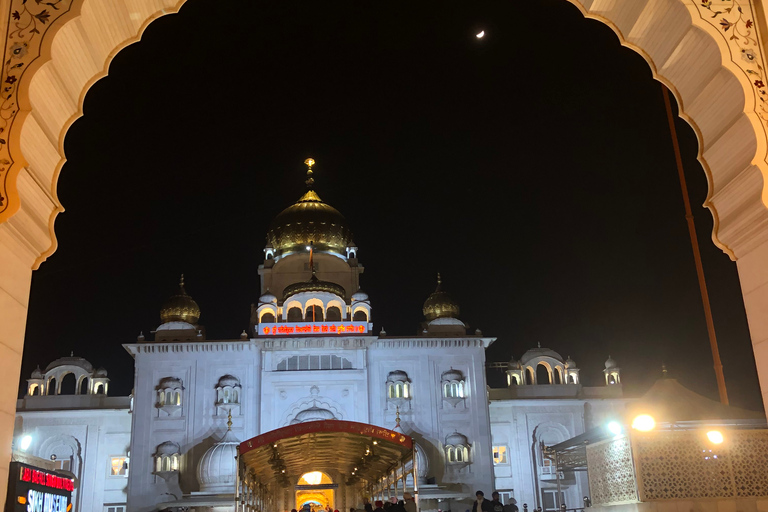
(706, 51)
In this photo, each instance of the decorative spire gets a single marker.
(538, 343)
(309, 162)
(439, 280)
(663, 370)
(397, 417)
(181, 285)
(229, 421)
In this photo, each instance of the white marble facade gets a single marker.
(311, 354)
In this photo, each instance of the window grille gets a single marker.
(314, 362)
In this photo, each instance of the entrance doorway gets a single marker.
(316, 489)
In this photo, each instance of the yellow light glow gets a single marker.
(313, 477)
(309, 162)
(644, 423)
(22, 500)
(715, 436)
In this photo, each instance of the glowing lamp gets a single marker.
(309, 162)
(25, 442)
(313, 477)
(644, 423)
(715, 436)
(22, 500)
(614, 427)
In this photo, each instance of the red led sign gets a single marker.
(36, 476)
(309, 328)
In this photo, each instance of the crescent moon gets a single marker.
(481, 34)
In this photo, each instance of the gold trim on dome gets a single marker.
(440, 304)
(180, 308)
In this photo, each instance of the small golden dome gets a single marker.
(180, 307)
(440, 304)
(309, 220)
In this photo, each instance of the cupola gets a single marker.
(440, 304)
(180, 308)
(217, 469)
(309, 220)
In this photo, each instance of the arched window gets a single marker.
(166, 463)
(572, 379)
(177, 398)
(360, 316)
(68, 384)
(447, 389)
(267, 318)
(406, 390)
(558, 375)
(225, 398)
(82, 386)
(542, 374)
(235, 398)
(334, 314)
(529, 378)
(451, 454)
(158, 464)
(35, 391)
(174, 462)
(294, 314)
(611, 379)
(314, 314)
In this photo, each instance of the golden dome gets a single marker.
(180, 307)
(309, 220)
(314, 285)
(440, 304)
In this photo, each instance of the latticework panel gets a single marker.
(611, 472)
(685, 465)
(749, 461)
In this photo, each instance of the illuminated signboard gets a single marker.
(32, 489)
(312, 328)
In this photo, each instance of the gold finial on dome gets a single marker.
(229, 420)
(309, 162)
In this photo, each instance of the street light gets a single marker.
(715, 437)
(644, 423)
(614, 427)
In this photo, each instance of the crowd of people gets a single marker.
(408, 504)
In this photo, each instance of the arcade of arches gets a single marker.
(52, 56)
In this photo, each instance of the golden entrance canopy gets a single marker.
(357, 450)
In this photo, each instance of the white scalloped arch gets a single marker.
(682, 46)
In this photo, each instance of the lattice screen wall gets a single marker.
(685, 465)
(611, 472)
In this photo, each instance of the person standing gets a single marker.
(481, 504)
(409, 503)
(496, 504)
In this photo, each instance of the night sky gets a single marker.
(533, 169)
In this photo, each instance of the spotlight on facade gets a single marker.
(614, 427)
(27, 440)
(715, 436)
(644, 423)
